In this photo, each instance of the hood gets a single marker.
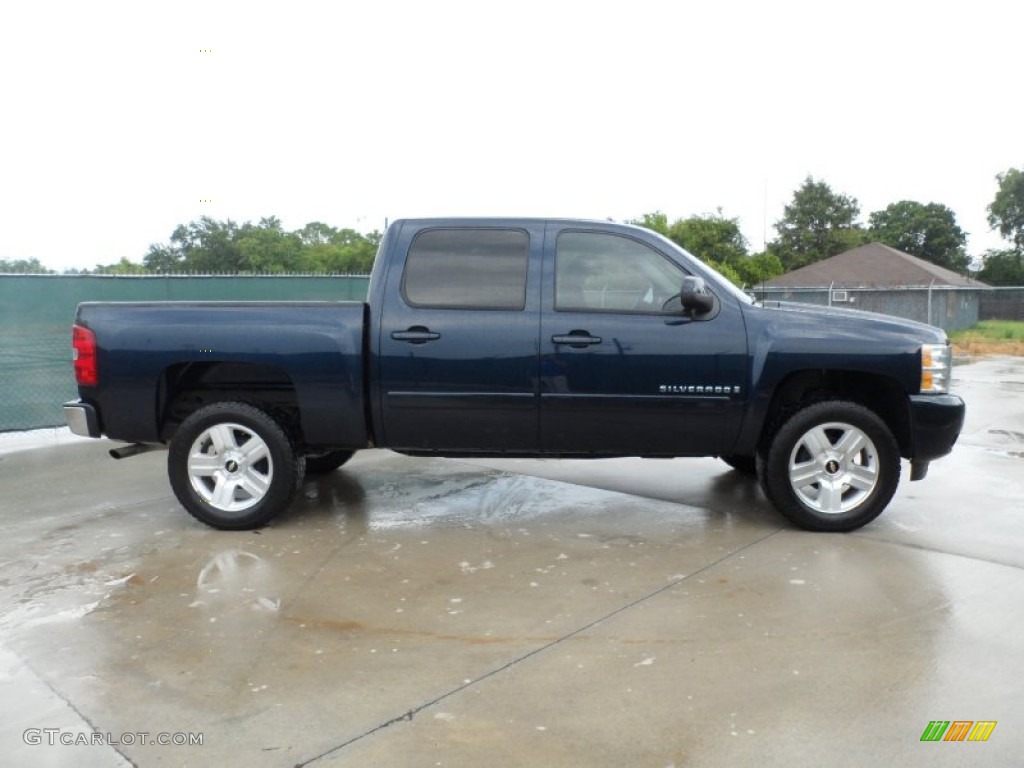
(851, 319)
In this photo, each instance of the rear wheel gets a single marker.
(832, 466)
(232, 466)
(319, 463)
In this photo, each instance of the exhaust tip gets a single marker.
(134, 449)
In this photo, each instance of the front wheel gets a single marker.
(832, 466)
(232, 466)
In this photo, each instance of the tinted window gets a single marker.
(467, 269)
(596, 272)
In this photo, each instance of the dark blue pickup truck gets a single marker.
(519, 337)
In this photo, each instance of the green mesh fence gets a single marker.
(36, 312)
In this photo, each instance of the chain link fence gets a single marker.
(35, 378)
(36, 312)
(1002, 304)
(951, 308)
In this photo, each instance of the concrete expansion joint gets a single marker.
(408, 716)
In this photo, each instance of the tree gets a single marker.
(819, 223)
(712, 238)
(266, 247)
(24, 266)
(656, 221)
(163, 258)
(1006, 213)
(1002, 268)
(728, 271)
(207, 245)
(759, 268)
(123, 267)
(316, 233)
(927, 231)
(199, 246)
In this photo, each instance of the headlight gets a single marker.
(936, 368)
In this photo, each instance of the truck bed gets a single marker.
(311, 351)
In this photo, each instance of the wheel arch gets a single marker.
(881, 394)
(186, 387)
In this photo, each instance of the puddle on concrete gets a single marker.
(236, 579)
(466, 499)
(1004, 440)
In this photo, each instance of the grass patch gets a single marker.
(992, 330)
(990, 337)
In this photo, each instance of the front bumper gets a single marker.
(82, 419)
(936, 421)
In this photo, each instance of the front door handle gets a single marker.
(417, 334)
(576, 339)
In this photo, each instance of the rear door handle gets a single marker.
(417, 334)
(577, 339)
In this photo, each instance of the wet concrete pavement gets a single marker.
(412, 612)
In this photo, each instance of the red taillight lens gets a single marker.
(84, 342)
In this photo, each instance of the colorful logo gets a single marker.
(958, 730)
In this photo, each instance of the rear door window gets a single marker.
(467, 269)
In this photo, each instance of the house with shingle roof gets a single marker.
(872, 266)
(878, 278)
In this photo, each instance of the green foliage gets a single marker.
(818, 224)
(1003, 268)
(207, 245)
(759, 268)
(267, 248)
(726, 270)
(712, 238)
(1006, 213)
(927, 231)
(345, 250)
(123, 267)
(998, 330)
(24, 266)
(656, 221)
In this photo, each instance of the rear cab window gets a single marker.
(481, 269)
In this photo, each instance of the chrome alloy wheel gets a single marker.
(834, 467)
(229, 467)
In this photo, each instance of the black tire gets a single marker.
(232, 466)
(831, 466)
(320, 463)
(745, 465)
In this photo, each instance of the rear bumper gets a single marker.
(82, 419)
(936, 421)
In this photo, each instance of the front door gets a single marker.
(458, 340)
(623, 370)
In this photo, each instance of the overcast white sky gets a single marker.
(114, 125)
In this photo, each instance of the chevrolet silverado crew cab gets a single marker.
(517, 338)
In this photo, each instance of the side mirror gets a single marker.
(695, 297)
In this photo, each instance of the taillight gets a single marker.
(84, 342)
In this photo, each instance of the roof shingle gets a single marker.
(871, 266)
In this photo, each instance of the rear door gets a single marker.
(623, 370)
(458, 339)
